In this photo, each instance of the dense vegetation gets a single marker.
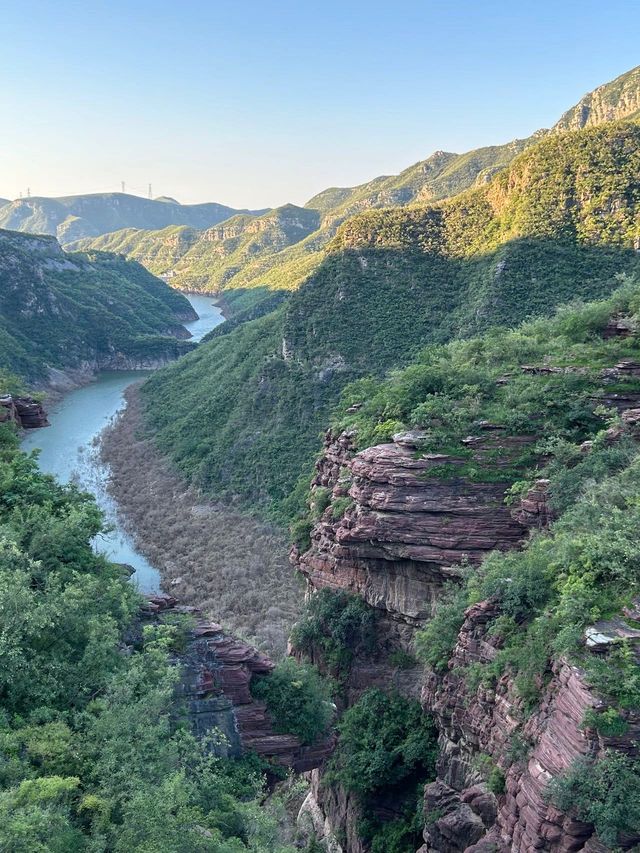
(339, 626)
(95, 754)
(73, 217)
(59, 309)
(281, 248)
(558, 224)
(285, 264)
(386, 753)
(298, 700)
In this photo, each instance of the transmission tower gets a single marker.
(122, 185)
(150, 196)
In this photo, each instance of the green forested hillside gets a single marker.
(59, 309)
(73, 217)
(560, 223)
(96, 752)
(207, 260)
(442, 175)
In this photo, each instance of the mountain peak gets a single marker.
(618, 99)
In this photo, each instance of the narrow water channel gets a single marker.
(68, 448)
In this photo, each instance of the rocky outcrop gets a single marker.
(409, 519)
(415, 517)
(618, 99)
(216, 674)
(489, 723)
(24, 412)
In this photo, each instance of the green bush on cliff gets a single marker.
(338, 625)
(387, 747)
(435, 642)
(298, 700)
(603, 792)
(385, 740)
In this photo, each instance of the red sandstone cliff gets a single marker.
(24, 412)
(216, 673)
(405, 534)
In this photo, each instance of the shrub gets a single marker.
(340, 506)
(436, 641)
(297, 698)
(603, 792)
(337, 623)
(496, 780)
(385, 740)
(608, 722)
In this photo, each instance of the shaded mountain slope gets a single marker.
(62, 310)
(560, 223)
(287, 253)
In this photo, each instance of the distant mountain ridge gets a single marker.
(195, 260)
(73, 217)
(618, 99)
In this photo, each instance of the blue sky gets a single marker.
(257, 103)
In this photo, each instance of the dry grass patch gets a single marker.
(209, 555)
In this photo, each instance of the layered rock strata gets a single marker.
(413, 520)
(24, 412)
(489, 722)
(216, 674)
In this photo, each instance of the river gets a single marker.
(69, 447)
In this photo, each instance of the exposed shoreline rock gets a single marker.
(24, 412)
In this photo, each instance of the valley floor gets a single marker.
(225, 562)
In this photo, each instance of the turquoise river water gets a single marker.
(68, 448)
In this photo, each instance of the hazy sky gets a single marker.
(255, 103)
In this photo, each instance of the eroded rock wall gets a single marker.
(404, 533)
(216, 674)
(490, 722)
(24, 412)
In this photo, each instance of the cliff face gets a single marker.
(485, 721)
(216, 672)
(619, 99)
(404, 534)
(24, 412)
(411, 523)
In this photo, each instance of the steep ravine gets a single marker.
(402, 536)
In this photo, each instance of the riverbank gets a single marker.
(209, 555)
(206, 313)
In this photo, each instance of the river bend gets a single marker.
(69, 447)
